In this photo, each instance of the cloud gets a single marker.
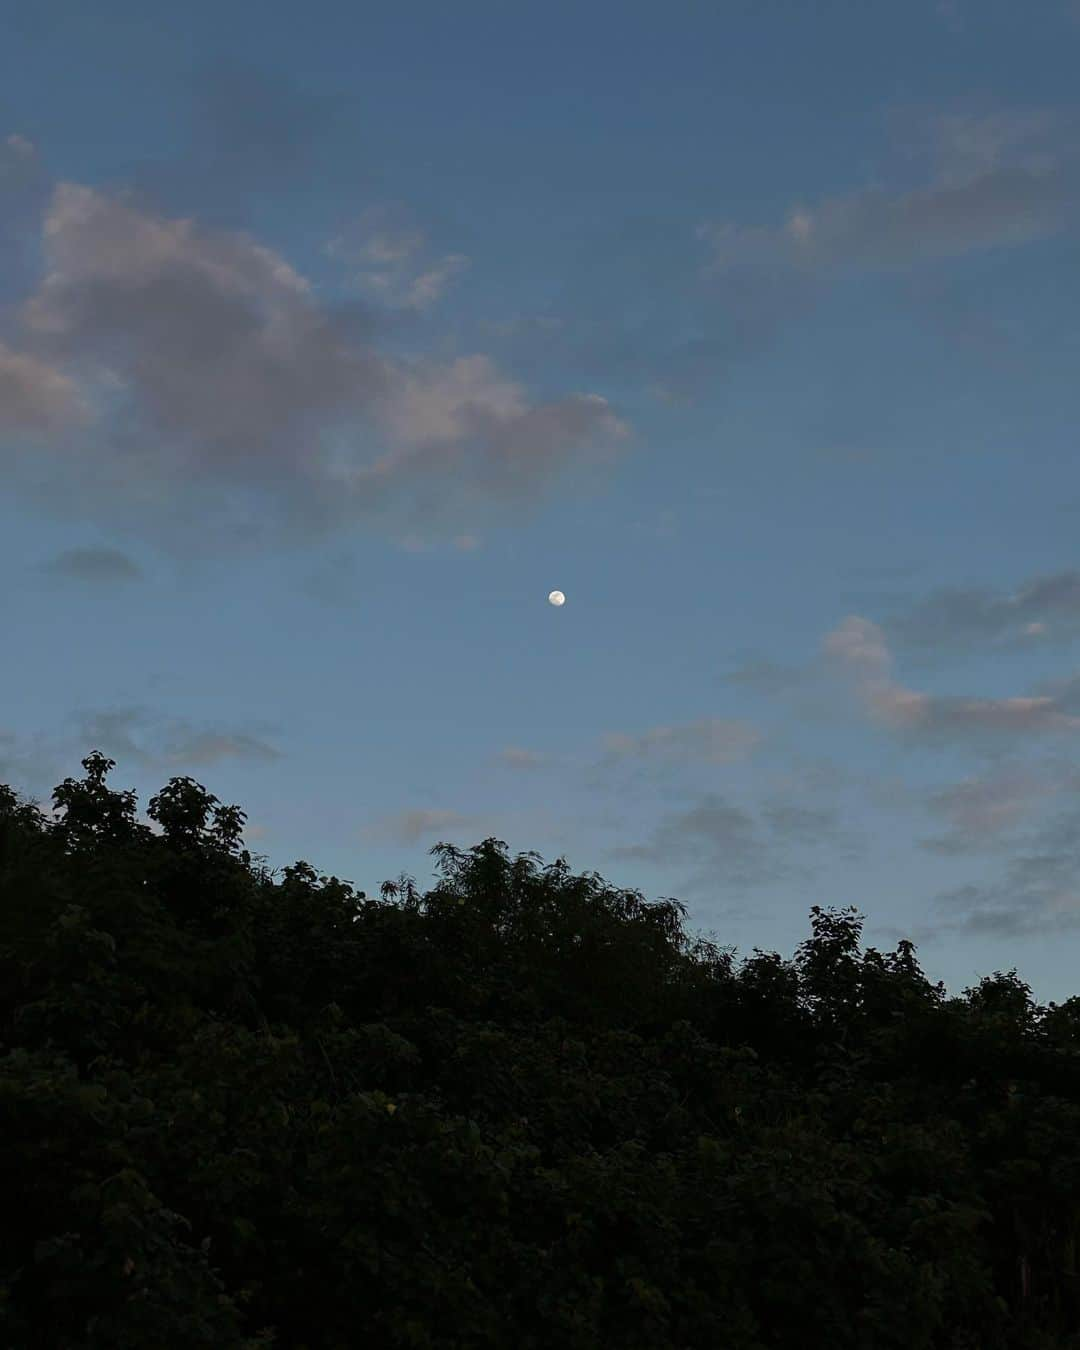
(800, 824)
(729, 844)
(711, 739)
(996, 178)
(1038, 893)
(860, 645)
(675, 337)
(1065, 693)
(711, 829)
(123, 733)
(879, 229)
(1046, 608)
(18, 147)
(133, 737)
(36, 397)
(980, 811)
(208, 747)
(519, 758)
(387, 257)
(216, 377)
(633, 764)
(93, 564)
(733, 847)
(438, 403)
(967, 141)
(763, 676)
(722, 292)
(812, 776)
(858, 648)
(409, 827)
(462, 419)
(215, 338)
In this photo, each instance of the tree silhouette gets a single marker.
(520, 1108)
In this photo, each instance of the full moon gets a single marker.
(556, 598)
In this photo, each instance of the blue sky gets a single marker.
(332, 340)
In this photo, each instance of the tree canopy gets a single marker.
(522, 1108)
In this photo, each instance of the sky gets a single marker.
(333, 339)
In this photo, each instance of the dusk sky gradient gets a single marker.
(334, 337)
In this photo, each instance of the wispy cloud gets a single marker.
(712, 740)
(733, 849)
(965, 178)
(763, 676)
(965, 141)
(211, 747)
(1036, 894)
(857, 647)
(387, 256)
(93, 564)
(707, 829)
(794, 823)
(410, 827)
(518, 757)
(135, 737)
(1045, 609)
(981, 811)
(881, 229)
(1000, 179)
(154, 743)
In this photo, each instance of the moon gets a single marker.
(556, 598)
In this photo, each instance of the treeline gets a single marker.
(520, 1110)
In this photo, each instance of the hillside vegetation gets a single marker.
(520, 1110)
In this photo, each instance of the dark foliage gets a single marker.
(521, 1110)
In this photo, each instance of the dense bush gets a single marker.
(522, 1110)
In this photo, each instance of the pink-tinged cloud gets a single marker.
(213, 369)
(36, 397)
(858, 647)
